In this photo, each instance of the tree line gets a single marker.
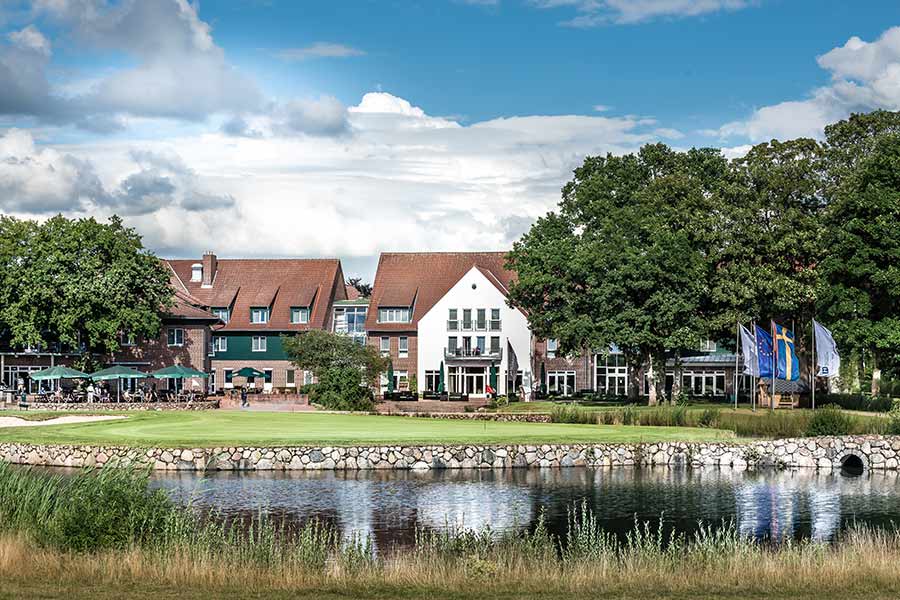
(658, 250)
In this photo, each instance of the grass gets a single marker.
(47, 415)
(142, 545)
(235, 428)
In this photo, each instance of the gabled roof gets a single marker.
(277, 284)
(421, 279)
(185, 307)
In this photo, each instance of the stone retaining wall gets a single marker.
(95, 406)
(874, 452)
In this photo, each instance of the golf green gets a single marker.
(235, 428)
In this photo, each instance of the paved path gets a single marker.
(63, 420)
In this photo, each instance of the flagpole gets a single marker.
(812, 371)
(755, 380)
(737, 357)
(774, 366)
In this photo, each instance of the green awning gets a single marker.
(249, 372)
(58, 372)
(390, 378)
(492, 378)
(118, 372)
(178, 372)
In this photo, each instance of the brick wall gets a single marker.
(279, 372)
(582, 364)
(156, 353)
(410, 362)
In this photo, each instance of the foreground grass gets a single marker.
(235, 428)
(105, 535)
(48, 415)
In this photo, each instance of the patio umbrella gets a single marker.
(117, 372)
(543, 380)
(178, 372)
(58, 372)
(390, 377)
(492, 378)
(249, 372)
(440, 386)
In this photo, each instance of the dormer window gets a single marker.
(394, 315)
(708, 346)
(259, 315)
(299, 314)
(196, 273)
(223, 313)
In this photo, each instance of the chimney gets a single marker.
(209, 268)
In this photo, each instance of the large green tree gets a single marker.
(860, 285)
(626, 260)
(78, 282)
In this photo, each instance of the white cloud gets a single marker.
(593, 13)
(602, 108)
(864, 76)
(319, 50)
(31, 39)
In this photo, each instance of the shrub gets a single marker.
(893, 427)
(709, 418)
(572, 414)
(863, 402)
(630, 415)
(829, 421)
(341, 388)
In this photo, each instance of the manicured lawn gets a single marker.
(235, 428)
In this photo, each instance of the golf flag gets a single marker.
(828, 360)
(764, 352)
(751, 353)
(787, 365)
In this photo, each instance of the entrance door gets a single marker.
(475, 379)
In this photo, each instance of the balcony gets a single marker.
(473, 354)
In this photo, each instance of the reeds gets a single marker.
(186, 550)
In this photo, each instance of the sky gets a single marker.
(351, 127)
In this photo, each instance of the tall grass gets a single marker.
(195, 556)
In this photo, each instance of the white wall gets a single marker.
(433, 334)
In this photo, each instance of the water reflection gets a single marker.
(388, 506)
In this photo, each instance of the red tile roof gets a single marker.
(352, 292)
(279, 284)
(420, 279)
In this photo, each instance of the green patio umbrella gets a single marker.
(249, 372)
(118, 372)
(440, 386)
(58, 372)
(543, 380)
(178, 372)
(492, 378)
(390, 378)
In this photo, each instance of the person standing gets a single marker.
(244, 402)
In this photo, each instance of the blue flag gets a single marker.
(764, 352)
(788, 366)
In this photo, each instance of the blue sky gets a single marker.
(273, 127)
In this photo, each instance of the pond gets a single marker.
(389, 506)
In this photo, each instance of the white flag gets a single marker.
(828, 360)
(751, 353)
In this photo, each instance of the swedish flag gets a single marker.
(787, 366)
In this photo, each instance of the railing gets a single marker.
(474, 353)
(453, 325)
(495, 325)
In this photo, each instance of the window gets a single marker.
(702, 383)
(401, 380)
(307, 377)
(611, 374)
(481, 319)
(220, 343)
(229, 376)
(479, 344)
(495, 319)
(453, 320)
(223, 313)
(175, 336)
(403, 347)
(561, 382)
(393, 315)
(495, 344)
(267, 375)
(451, 344)
(299, 314)
(453, 380)
(196, 272)
(127, 339)
(708, 346)
(259, 315)
(432, 379)
(385, 345)
(289, 378)
(552, 348)
(259, 343)
(467, 319)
